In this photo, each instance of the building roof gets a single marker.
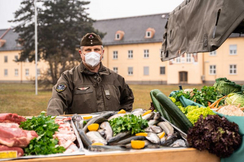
(134, 29)
(10, 38)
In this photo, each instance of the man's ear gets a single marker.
(79, 51)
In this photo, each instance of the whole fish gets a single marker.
(116, 116)
(152, 122)
(138, 112)
(178, 143)
(169, 139)
(153, 137)
(78, 121)
(148, 116)
(99, 148)
(118, 137)
(157, 116)
(102, 132)
(153, 129)
(107, 130)
(99, 119)
(94, 136)
(128, 140)
(169, 130)
(86, 141)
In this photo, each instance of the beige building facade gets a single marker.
(132, 49)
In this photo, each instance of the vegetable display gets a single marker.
(215, 134)
(205, 96)
(45, 127)
(128, 122)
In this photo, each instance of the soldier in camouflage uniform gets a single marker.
(90, 87)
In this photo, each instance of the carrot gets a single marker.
(216, 102)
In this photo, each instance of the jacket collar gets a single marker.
(101, 71)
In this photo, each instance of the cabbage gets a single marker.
(224, 86)
(235, 99)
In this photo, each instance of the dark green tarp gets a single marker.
(201, 26)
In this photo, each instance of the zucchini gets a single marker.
(159, 107)
(177, 117)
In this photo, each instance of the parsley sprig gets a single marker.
(129, 122)
(45, 127)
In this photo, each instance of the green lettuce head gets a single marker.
(235, 99)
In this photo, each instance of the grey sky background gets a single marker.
(100, 9)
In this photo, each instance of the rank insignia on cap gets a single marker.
(91, 36)
(83, 88)
(61, 87)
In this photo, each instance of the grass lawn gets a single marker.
(21, 98)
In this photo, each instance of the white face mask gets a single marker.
(92, 58)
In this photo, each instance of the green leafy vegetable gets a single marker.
(190, 108)
(129, 122)
(204, 96)
(194, 114)
(224, 86)
(45, 127)
(215, 134)
(235, 99)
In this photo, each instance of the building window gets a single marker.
(115, 69)
(178, 59)
(5, 72)
(233, 49)
(233, 69)
(130, 70)
(188, 57)
(148, 34)
(146, 53)
(213, 53)
(5, 59)
(146, 70)
(130, 54)
(115, 54)
(16, 72)
(26, 72)
(212, 69)
(117, 36)
(38, 72)
(162, 70)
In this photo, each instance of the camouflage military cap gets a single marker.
(91, 39)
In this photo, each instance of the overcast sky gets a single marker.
(101, 9)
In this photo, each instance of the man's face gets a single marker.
(87, 49)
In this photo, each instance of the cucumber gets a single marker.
(159, 107)
(166, 105)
